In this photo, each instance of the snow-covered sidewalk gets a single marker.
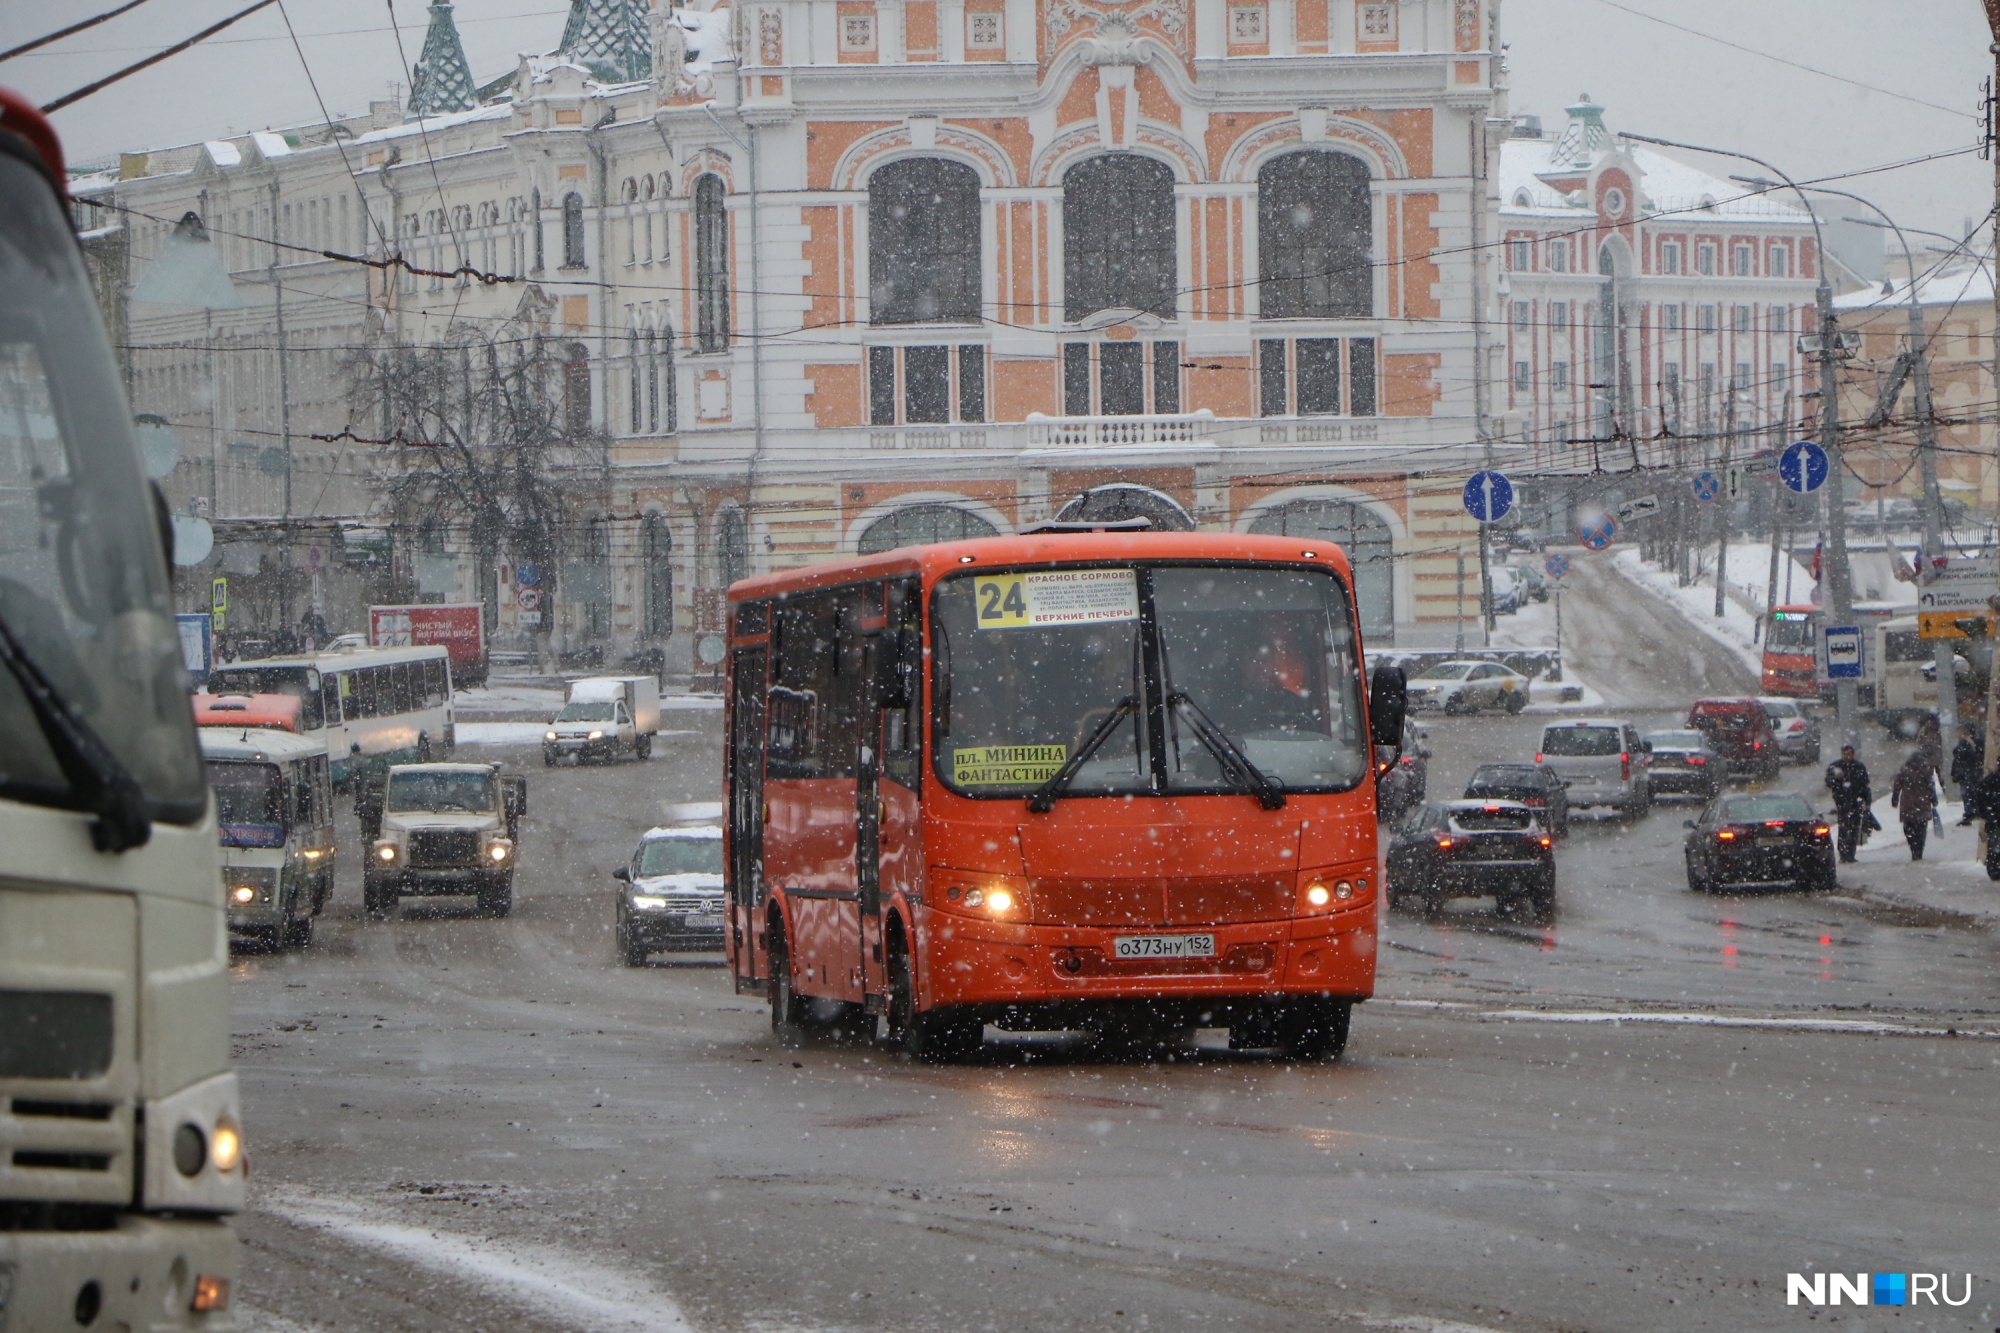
(1950, 878)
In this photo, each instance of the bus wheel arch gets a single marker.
(789, 1009)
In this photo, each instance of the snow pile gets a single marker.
(1534, 626)
(1735, 630)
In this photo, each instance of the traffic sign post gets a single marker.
(1706, 486)
(1802, 467)
(1489, 496)
(1598, 533)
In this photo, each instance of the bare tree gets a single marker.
(489, 434)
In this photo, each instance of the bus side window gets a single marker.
(399, 675)
(434, 682)
(310, 716)
(903, 728)
(329, 692)
(363, 698)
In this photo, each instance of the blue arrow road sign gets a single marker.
(1599, 532)
(1802, 466)
(1706, 486)
(1488, 496)
(1557, 564)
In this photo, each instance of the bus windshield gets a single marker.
(247, 793)
(1791, 632)
(1035, 668)
(83, 580)
(472, 793)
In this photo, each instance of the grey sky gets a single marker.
(1651, 78)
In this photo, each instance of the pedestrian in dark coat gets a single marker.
(1847, 780)
(1914, 794)
(1967, 758)
(1982, 801)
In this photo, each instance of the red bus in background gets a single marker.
(1791, 649)
(270, 712)
(1109, 781)
(460, 629)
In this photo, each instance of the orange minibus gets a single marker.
(1113, 781)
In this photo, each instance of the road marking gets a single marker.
(1841, 1026)
(547, 1279)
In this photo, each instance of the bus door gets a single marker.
(746, 812)
(887, 836)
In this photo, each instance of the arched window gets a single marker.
(732, 547)
(572, 210)
(923, 243)
(1370, 550)
(711, 259)
(1119, 250)
(922, 525)
(656, 563)
(1120, 501)
(576, 388)
(1314, 234)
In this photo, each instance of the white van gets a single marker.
(1600, 762)
(274, 799)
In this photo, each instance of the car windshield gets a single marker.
(1580, 742)
(83, 577)
(1781, 708)
(586, 712)
(1517, 775)
(680, 856)
(440, 792)
(246, 792)
(1757, 809)
(1032, 667)
(1448, 671)
(1676, 740)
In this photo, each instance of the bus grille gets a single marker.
(1195, 900)
(443, 849)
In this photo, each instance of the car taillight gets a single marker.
(1756, 745)
(1725, 835)
(1625, 766)
(1538, 757)
(1444, 844)
(1696, 759)
(1546, 841)
(1822, 831)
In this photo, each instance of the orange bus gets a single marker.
(1075, 779)
(273, 712)
(1791, 649)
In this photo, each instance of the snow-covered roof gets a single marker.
(1666, 185)
(1960, 284)
(269, 144)
(225, 153)
(434, 124)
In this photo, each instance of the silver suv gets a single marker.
(1600, 762)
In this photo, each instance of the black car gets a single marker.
(1681, 762)
(1407, 781)
(1533, 785)
(1766, 840)
(1473, 849)
(670, 894)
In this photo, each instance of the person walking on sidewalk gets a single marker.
(1847, 779)
(1982, 801)
(1966, 759)
(1914, 794)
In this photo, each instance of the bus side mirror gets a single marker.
(896, 656)
(1388, 703)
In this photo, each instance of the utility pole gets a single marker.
(284, 406)
(1458, 642)
(1777, 514)
(1724, 503)
(1992, 758)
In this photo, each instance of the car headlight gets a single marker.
(500, 851)
(385, 852)
(597, 735)
(649, 902)
(548, 735)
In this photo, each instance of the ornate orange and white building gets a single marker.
(842, 274)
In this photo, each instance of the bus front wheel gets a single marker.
(788, 1007)
(1316, 1028)
(935, 1037)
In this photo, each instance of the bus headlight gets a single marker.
(250, 885)
(226, 1146)
(994, 896)
(1329, 891)
(243, 893)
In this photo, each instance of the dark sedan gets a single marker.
(1682, 762)
(1534, 786)
(1763, 841)
(1473, 849)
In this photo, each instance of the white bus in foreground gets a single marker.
(121, 1146)
(372, 706)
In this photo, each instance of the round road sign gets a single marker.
(528, 599)
(1598, 533)
(1802, 467)
(1557, 564)
(1488, 496)
(527, 574)
(1706, 486)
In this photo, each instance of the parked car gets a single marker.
(1600, 762)
(670, 893)
(1764, 840)
(1680, 762)
(1468, 686)
(1534, 583)
(1509, 590)
(1796, 723)
(1525, 538)
(1538, 788)
(1741, 732)
(1472, 849)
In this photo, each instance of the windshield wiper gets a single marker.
(1045, 796)
(1237, 770)
(96, 774)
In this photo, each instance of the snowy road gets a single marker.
(469, 1124)
(1635, 650)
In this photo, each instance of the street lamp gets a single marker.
(1839, 587)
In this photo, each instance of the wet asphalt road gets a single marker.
(461, 1123)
